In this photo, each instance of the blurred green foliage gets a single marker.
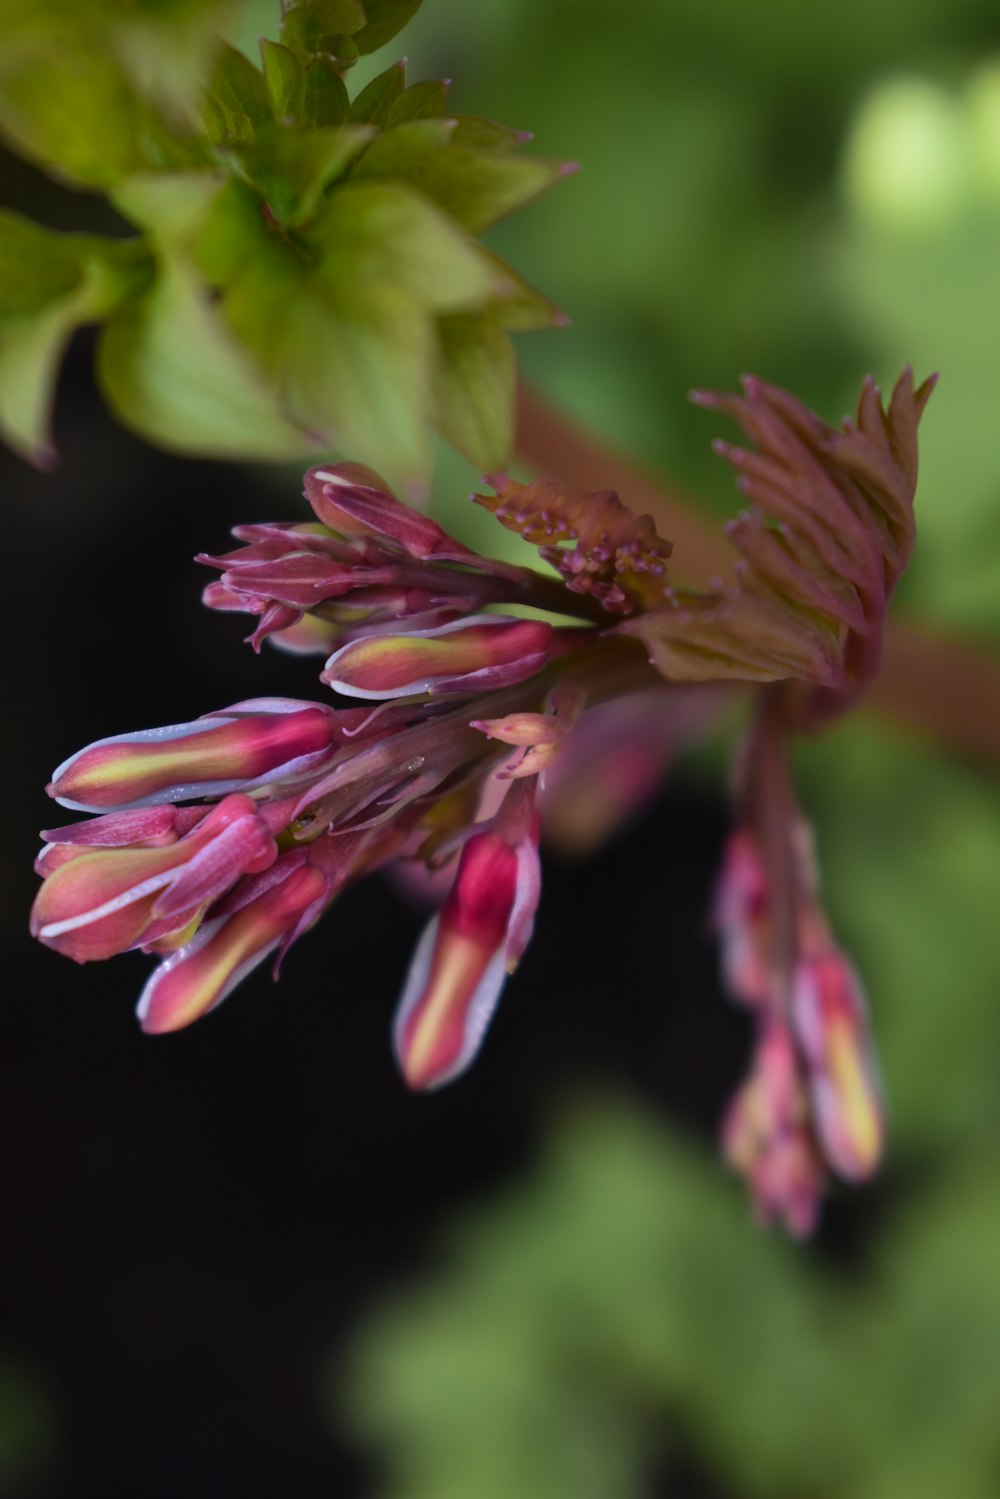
(307, 275)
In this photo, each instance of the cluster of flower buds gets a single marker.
(216, 843)
(813, 1101)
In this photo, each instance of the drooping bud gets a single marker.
(766, 1136)
(464, 956)
(465, 655)
(829, 1014)
(741, 919)
(250, 745)
(109, 899)
(199, 975)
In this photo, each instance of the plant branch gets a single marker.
(944, 687)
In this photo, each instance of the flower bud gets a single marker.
(766, 1136)
(199, 975)
(741, 919)
(464, 655)
(829, 1014)
(354, 502)
(229, 751)
(464, 956)
(110, 899)
(537, 737)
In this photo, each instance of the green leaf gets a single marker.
(474, 388)
(170, 206)
(321, 25)
(424, 101)
(50, 285)
(384, 18)
(160, 47)
(341, 323)
(480, 187)
(403, 151)
(237, 100)
(520, 307)
(286, 81)
(374, 378)
(325, 101)
(381, 233)
(375, 102)
(291, 171)
(172, 372)
(486, 135)
(475, 187)
(70, 108)
(165, 47)
(36, 266)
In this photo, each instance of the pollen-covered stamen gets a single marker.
(614, 555)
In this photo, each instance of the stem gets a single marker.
(945, 688)
(772, 811)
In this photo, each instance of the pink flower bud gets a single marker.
(766, 1137)
(199, 975)
(229, 751)
(110, 899)
(146, 827)
(353, 501)
(741, 920)
(464, 956)
(464, 655)
(829, 1014)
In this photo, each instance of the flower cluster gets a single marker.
(216, 843)
(812, 1102)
